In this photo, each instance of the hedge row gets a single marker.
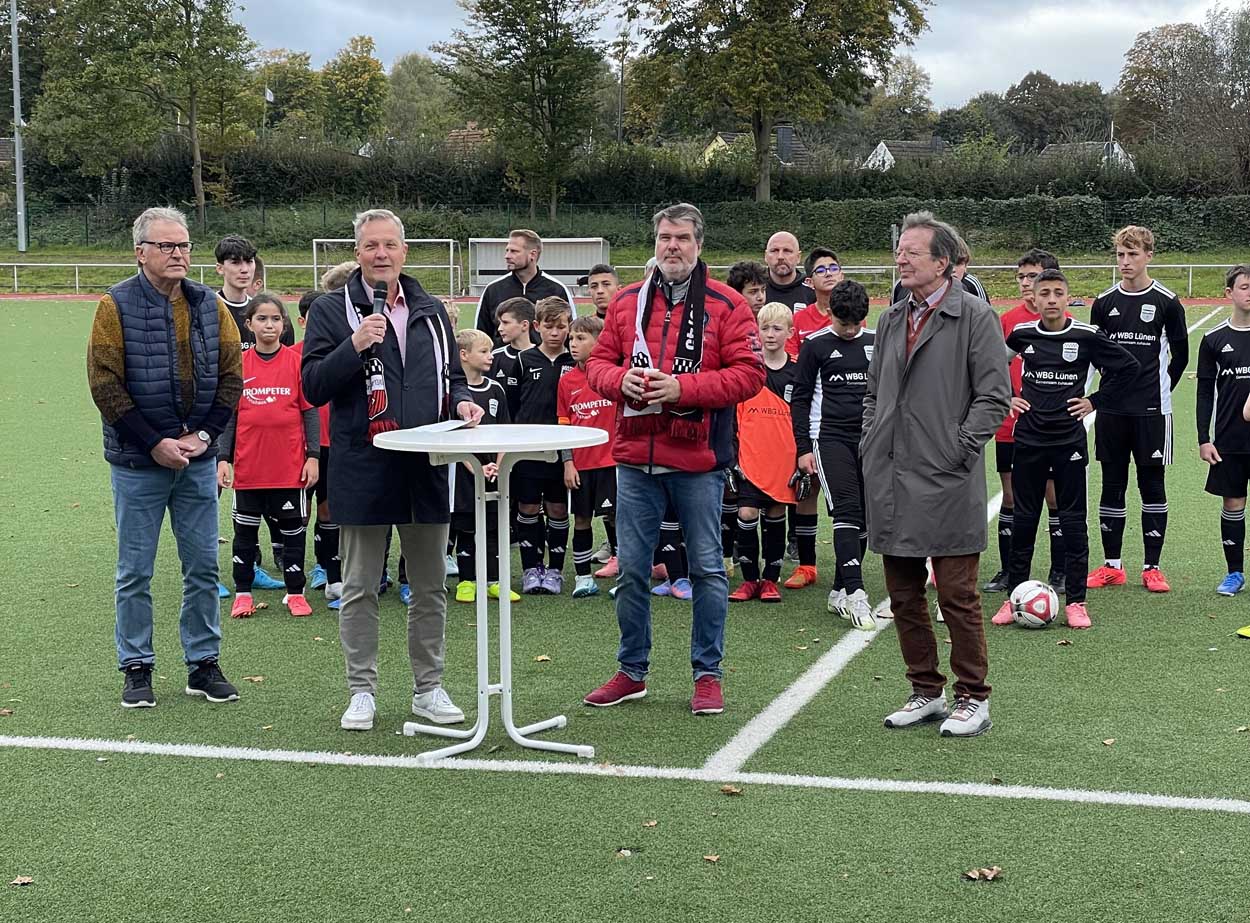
(1067, 224)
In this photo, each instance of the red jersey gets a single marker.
(806, 322)
(577, 404)
(269, 448)
(323, 412)
(1020, 314)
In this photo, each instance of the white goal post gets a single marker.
(434, 261)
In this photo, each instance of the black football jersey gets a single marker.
(504, 364)
(796, 296)
(829, 387)
(1057, 366)
(491, 397)
(781, 381)
(1151, 325)
(533, 399)
(1223, 386)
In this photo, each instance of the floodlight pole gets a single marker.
(18, 166)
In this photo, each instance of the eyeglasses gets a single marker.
(826, 269)
(1021, 276)
(167, 247)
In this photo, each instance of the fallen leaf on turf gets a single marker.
(652, 823)
(101, 759)
(1221, 690)
(650, 878)
(254, 679)
(877, 679)
(266, 727)
(711, 858)
(1064, 642)
(946, 640)
(995, 780)
(624, 853)
(815, 640)
(494, 749)
(73, 585)
(542, 658)
(221, 775)
(262, 605)
(74, 506)
(1243, 729)
(801, 631)
(1212, 648)
(983, 874)
(730, 790)
(318, 638)
(22, 881)
(130, 737)
(6, 712)
(800, 647)
(1108, 742)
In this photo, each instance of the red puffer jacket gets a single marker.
(732, 370)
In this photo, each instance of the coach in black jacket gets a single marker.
(371, 489)
(524, 280)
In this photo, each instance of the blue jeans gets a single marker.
(640, 502)
(140, 498)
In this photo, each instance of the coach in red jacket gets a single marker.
(678, 352)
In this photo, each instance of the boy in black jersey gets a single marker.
(475, 357)
(765, 450)
(1149, 321)
(1223, 389)
(516, 320)
(539, 486)
(1059, 354)
(827, 411)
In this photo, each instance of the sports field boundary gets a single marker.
(656, 773)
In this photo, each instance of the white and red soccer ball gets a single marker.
(1034, 604)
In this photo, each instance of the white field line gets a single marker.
(599, 770)
(778, 713)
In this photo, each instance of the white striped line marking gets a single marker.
(534, 767)
(778, 713)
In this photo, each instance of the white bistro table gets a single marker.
(452, 443)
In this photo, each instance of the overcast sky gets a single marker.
(970, 45)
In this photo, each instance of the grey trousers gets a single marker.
(424, 548)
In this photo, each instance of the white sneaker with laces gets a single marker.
(334, 591)
(359, 714)
(882, 610)
(602, 553)
(861, 611)
(437, 706)
(919, 709)
(836, 603)
(970, 718)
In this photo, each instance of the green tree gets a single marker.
(528, 71)
(899, 106)
(355, 91)
(122, 72)
(421, 105)
(1044, 111)
(298, 99)
(770, 60)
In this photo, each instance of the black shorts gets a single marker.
(752, 496)
(842, 480)
(281, 504)
(539, 482)
(597, 495)
(1004, 453)
(1148, 439)
(319, 490)
(1229, 477)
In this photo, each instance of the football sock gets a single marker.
(530, 532)
(775, 545)
(583, 548)
(805, 533)
(1233, 538)
(1116, 563)
(1006, 520)
(403, 565)
(848, 557)
(1057, 544)
(748, 546)
(1111, 516)
(1154, 512)
(294, 540)
(328, 551)
(557, 542)
(728, 523)
(465, 544)
(609, 529)
(243, 551)
(669, 551)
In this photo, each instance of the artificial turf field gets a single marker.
(828, 824)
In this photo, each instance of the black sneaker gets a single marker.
(997, 584)
(137, 692)
(1058, 583)
(206, 679)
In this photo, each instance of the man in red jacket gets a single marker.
(678, 352)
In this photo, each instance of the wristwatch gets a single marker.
(204, 437)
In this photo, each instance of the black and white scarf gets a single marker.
(687, 359)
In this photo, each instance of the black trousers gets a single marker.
(1030, 469)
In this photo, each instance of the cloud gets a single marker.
(976, 45)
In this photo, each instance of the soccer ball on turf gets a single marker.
(1034, 604)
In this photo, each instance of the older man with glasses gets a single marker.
(165, 369)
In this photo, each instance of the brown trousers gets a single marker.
(956, 579)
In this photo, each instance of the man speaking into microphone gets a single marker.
(382, 353)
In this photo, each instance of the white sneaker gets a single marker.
(970, 718)
(837, 603)
(586, 586)
(359, 714)
(919, 709)
(860, 609)
(937, 613)
(603, 553)
(882, 610)
(450, 567)
(334, 591)
(437, 706)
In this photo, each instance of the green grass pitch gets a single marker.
(127, 836)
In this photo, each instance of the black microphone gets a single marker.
(379, 297)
